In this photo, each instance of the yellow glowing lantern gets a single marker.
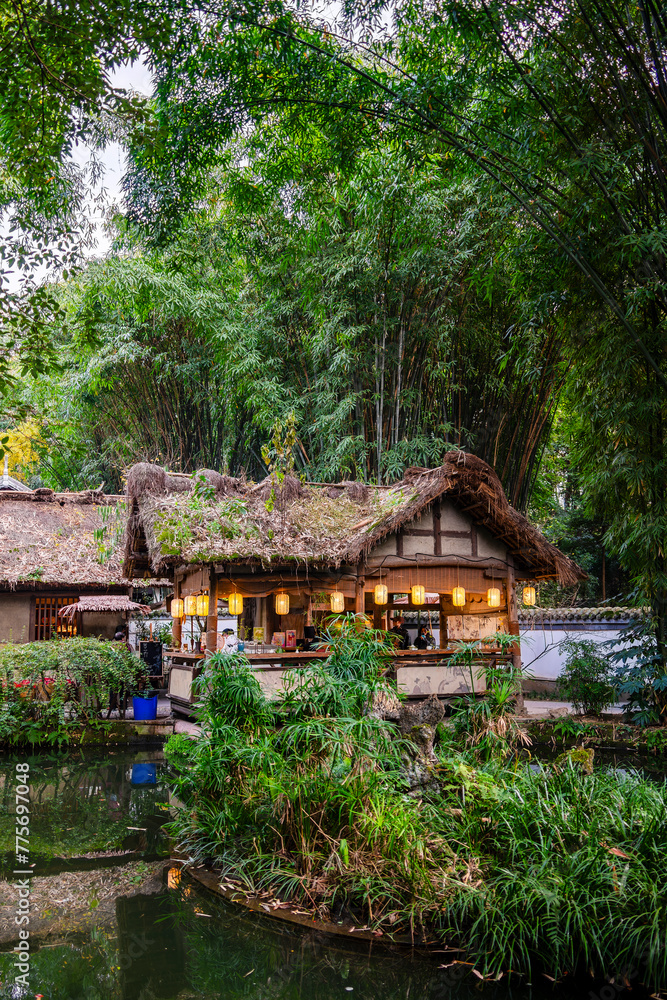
(177, 608)
(418, 594)
(493, 597)
(337, 601)
(281, 604)
(235, 603)
(202, 605)
(529, 595)
(190, 605)
(380, 594)
(458, 597)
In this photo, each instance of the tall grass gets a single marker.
(525, 868)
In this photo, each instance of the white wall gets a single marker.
(540, 653)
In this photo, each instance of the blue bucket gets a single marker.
(145, 708)
(144, 774)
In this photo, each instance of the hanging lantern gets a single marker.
(380, 594)
(235, 603)
(190, 605)
(529, 595)
(493, 597)
(281, 604)
(418, 594)
(337, 601)
(458, 597)
(202, 605)
(177, 608)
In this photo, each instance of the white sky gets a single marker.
(138, 78)
(135, 77)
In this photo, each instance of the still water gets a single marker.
(171, 939)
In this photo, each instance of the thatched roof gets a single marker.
(106, 604)
(49, 538)
(227, 520)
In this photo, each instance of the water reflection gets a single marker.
(184, 943)
(88, 805)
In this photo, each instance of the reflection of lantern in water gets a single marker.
(380, 594)
(177, 608)
(281, 604)
(202, 605)
(458, 597)
(493, 597)
(235, 603)
(190, 605)
(418, 594)
(337, 601)
(529, 595)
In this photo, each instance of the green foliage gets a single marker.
(232, 695)
(586, 678)
(487, 722)
(640, 675)
(49, 689)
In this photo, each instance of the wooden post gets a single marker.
(359, 606)
(513, 626)
(212, 620)
(443, 624)
(176, 623)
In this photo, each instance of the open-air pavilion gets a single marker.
(281, 556)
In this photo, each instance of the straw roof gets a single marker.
(225, 520)
(48, 538)
(106, 604)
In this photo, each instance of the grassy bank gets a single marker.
(318, 801)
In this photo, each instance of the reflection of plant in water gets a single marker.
(73, 971)
(78, 807)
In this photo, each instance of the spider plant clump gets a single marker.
(524, 868)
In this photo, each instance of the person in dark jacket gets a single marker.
(424, 638)
(399, 630)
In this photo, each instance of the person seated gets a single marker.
(229, 642)
(402, 636)
(424, 638)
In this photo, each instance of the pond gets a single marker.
(112, 918)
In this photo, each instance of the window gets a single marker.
(47, 622)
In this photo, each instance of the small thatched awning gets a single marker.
(112, 605)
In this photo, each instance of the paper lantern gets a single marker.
(529, 595)
(177, 608)
(235, 603)
(202, 605)
(281, 604)
(493, 597)
(380, 594)
(190, 605)
(458, 597)
(337, 601)
(418, 594)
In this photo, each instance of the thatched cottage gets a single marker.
(279, 553)
(56, 548)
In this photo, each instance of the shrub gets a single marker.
(48, 686)
(586, 679)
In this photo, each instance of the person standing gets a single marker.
(399, 630)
